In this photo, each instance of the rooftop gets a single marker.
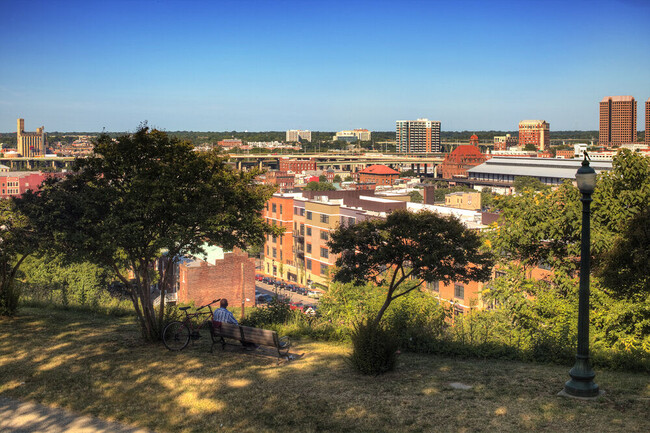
(537, 167)
(379, 169)
(618, 98)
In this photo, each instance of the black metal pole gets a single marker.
(582, 376)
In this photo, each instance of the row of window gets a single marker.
(323, 267)
(459, 289)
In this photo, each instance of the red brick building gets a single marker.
(202, 282)
(379, 175)
(297, 165)
(14, 183)
(617, 121)
(229, 143)
(535, 132)
(285, 181)
(462, 158)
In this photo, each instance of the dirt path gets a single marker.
(19, 417)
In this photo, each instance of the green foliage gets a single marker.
(319, 186)
(522, 183)
(337, 178)
(17, 241)
(276, 312)
(416, 197)
(348, 179)
(413, 247)
(143, 194)
(530, 147)
(322, 178)
(374, 348)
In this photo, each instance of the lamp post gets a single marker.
(582, 376)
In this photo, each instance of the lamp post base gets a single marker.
(582, 380)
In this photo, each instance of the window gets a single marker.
(323, 269)
(280, 208)
(352, 220)
(324, 218)
(267, 250)
(308, 248)
(274, 208)
(459, 291)
(309, 215)
(324, 235)
(324, 252)
(275, 252)
(308, 264)
(275, 239)
(280, 255)
(302, 211)
(281, 239)
(434, 286)
(308, 231)
(302, 229)
(295, 211)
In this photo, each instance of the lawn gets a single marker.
(97, 365)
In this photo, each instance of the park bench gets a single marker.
(246, 334)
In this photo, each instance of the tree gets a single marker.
(337, 178)
(319, 186)
(530, 147)
(527, 182)
(406, 250)
(17, 241)
(142, 196)
(416, 197)
(348, 179)
(322, 178)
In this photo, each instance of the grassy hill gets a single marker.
(97, 365)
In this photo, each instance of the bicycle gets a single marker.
(177, 334)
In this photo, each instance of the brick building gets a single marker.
(297, 165)
(202, 282)
(14, 183)
(379, 175)
(535, 132)
(30, 144)
(230, 143)
(285, 181)
(460, 160)
(504, 142)
(417, 136)
(278, 250)
(617, 121)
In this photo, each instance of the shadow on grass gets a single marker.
(97, 365)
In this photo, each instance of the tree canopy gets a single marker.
(407, 249)
(144, 195)
(319, 186)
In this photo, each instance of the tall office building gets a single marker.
(535, 132)
(617, 120)
(647, 122)
(417, 136)
(30, 144)
(296, 135)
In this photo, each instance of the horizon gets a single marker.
(258, 66)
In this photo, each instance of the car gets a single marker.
(258, 277)
(264, 298)
(313, 294)
(296, 306)
(266, 280)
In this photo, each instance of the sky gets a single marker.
(318, 65)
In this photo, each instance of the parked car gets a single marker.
(264, 298)
(296, 306)
(313, 294)
(258, 277)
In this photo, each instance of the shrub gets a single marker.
(276, 312)
(374, 348)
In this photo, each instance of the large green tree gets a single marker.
(407, 249)
(144, 195)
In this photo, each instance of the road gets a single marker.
(294, 297)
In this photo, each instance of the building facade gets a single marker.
(460, 160)
(297, 165)
(617, 121)
(353, 135)
(535, 132)
(379, 175)
(15, 183)
(297, 135)
(417, 136)
(503, 142)
(30, 144)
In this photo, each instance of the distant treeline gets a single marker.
(199, 137)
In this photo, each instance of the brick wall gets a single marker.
(202, 282)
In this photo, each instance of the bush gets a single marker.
(276, 312)
(374, 348)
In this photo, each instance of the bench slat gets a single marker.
(259, 336)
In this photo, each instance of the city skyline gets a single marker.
(260, 66)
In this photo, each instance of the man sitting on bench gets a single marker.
(225, 316)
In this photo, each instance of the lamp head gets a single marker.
(586, 177)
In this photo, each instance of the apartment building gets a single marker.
(297, 135)
(417, 136)
(504, 142)
(297, 165)
(353, 135)
(617, 120)
(15, 183)
(535, 132)
(278, 250)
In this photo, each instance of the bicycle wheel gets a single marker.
(176, 335)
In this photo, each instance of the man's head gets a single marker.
(223, 303)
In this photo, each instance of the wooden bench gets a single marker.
(245, 334)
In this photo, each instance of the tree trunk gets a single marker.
(383, 308)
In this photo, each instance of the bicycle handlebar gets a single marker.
(207, 305)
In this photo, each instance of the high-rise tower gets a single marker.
(617, 120)
(417, 136)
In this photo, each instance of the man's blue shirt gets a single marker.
(224, 316)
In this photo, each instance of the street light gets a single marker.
(582, 376)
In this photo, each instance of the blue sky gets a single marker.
(319, 65)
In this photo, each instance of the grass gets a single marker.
(97, 365)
